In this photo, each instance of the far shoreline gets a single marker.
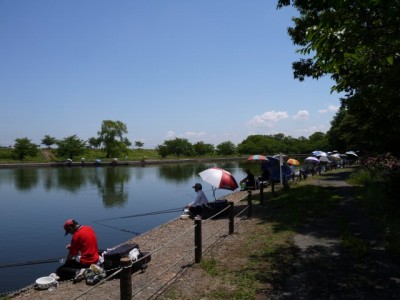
(117, 163)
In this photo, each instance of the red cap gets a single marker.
(69, 224)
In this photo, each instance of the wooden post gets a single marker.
(249, 203)
(262, 194)
(197, 241)
(125, 279)
(231, 218)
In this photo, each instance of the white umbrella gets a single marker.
(324, 158)
(219, 179)
(312, 159)
(335, 156)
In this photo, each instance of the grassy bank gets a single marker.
(49, 155)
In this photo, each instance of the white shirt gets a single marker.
(200, 199)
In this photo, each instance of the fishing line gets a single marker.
(144, 214)
(120, 229)
(33, 262)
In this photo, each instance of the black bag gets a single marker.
(112, 258)
(215, 207)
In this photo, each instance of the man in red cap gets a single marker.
(83, 251)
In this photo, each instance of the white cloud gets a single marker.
(331, 108)
(301, 115)
(170, 134)
(192, 134)
(267, 119)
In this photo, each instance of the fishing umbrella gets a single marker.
(324, 158)
(317, 153)
(292, 161)
(219, 179)
(352, 153)
(257, 157)
(312, 159)
(335, 156)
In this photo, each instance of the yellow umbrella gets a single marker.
(292, 161)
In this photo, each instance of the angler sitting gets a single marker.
(82, 251)
(196, 207)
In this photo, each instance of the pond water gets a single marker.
(118, 203)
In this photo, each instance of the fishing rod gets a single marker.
(32, 262)
(120, 229)
(144, 214)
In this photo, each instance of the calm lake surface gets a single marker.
(35, 202)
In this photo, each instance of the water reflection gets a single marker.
(25, 179)
(110, 182)
(70, 179)
(113, 187)
(177, 173)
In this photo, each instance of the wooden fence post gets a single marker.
(125, 279)
(231, 218)
(197, 240)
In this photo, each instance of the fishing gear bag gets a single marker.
(113, 256)
(215, 207)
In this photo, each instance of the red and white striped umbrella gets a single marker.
(219, 178)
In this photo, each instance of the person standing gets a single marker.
(196, 207)
(82, 251)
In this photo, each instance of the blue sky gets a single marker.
(209, 70)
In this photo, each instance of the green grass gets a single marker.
(380, 207)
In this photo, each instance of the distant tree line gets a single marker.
(112, 141)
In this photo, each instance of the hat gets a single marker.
(198, 186)
(69, 224)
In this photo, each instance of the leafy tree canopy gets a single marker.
(70, 147)
(226, 148)
(201, 148)
(112, 137)
(177, 146)
(49, 141)
(356, 43)
(24, 147)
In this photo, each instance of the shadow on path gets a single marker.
(324, 269)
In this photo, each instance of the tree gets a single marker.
(319, 141)
(24, 147)
(112, 137)
(139, 144)
(201, 148)
(226, 148)
(179, 146)
(70, 147)
(162, 150)
(356, 43)
(48, 141)
(94, 142)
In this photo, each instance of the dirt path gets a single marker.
(47, 154)
(326, 270)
